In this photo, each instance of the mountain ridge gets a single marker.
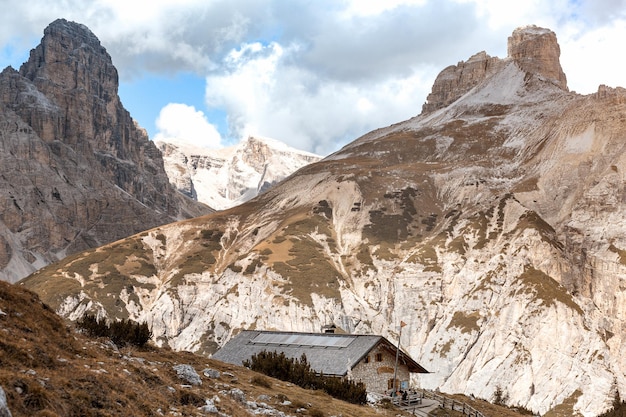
(490, 225)
(76, 171)
(223, 178)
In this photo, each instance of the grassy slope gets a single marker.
(49, 369)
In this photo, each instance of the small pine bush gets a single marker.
(93, 326)
(121, 332)
(299, 372)
(499, 397)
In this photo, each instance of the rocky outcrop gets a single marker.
(456, 80)
(4, 408)
(226, 177)
(537, 52)
(75, 170)
(615, 95)
(74, 72)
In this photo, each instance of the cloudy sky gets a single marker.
(313, 74)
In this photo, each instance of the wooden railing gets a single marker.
(450, 404)
(413, 402)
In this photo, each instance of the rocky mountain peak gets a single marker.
(537, 51)
(227, 177)
(74, 70)
(76, 171)
(259, 149)
(71, 48)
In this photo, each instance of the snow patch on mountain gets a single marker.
(227, 177)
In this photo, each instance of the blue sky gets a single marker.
(145, 96)
(315, 75)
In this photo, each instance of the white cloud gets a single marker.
(265, 94)
(183, 123)
(318, 74)
(592, 58)
(506, 14)
(375, 7)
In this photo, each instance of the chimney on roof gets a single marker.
(329, 328)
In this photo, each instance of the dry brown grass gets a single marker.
(566, 409)
(49, 369)
(107, 271)
(488, 409)
(427, 256)
(468, 323)
(547, 289)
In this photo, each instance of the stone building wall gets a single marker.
(376, 371)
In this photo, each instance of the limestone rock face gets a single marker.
(226, 177)
(4, 408)
(456, 80)
(537, 51)
(75, 170)
(75, 72)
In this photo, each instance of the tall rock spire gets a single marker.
(76, 171)
(71, 48)
(537, 51)
(74, 70)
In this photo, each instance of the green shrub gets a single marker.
(93, 326)
(187, 397)
(299, 372)
(499, 397)
(120, 332)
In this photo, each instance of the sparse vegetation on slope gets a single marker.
(49, 369)
(121, 332)
(546, 289)
(308, 268)
(105, 273)
(278, 365)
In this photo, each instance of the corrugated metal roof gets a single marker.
(329, 353)
(303, 339)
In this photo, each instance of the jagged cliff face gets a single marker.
(227, 177)
(456, 80)
(537, 52)
(75, 170)
(534, 50)
(491, 225)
